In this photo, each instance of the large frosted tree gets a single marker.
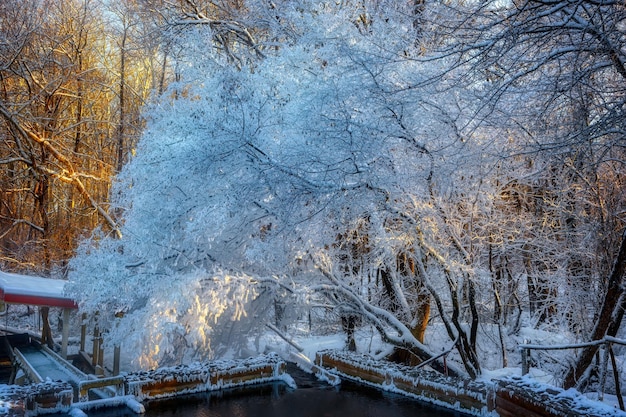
(323, 167)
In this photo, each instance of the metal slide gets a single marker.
(41, 364)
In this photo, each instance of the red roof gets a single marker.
(38, 291)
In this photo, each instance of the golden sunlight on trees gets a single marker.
(421, 168)
(65, 101)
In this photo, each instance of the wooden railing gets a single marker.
(605, 343)
(116, 382)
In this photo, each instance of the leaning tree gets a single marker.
(328, 166)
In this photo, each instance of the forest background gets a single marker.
(405, 164)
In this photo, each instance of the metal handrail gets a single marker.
(115, 381)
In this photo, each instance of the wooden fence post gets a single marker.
(525, 369)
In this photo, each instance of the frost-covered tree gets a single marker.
(327, 168)
(553, 76)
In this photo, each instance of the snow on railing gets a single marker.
(606, 343)
(204, 377)
(460, 394)
(505, 397)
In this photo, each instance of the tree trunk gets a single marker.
(46, 331)
(418, 330)
(422, 315)
(348, 323)
(609, 319)
(121, 129)
(41, 207)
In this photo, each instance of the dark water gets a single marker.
(311, 399)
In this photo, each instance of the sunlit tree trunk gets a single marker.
(121, 128)
(65, 97)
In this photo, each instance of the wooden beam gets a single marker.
(65, 332)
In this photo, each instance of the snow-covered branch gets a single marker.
(391, 329)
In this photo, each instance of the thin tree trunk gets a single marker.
(121, 129)
(608, 320)
(69, 173)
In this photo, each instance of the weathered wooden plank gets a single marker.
(226, 378)
(34, 399)
(509, 397)
(455, 393)
(345, 367)
(509, 409)
(452, 396)
(169, 387)
(547, 401)
(169, 382)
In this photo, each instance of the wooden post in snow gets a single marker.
(65, 332)
(83, 331)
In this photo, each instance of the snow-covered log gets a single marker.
(35, 399)
(504, 397)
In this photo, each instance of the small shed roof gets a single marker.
(39, 291)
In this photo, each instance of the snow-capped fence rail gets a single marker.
(606, 343)
(506, 397)
(118, 383)
(523, 396)
(28, 369)
(53, 397)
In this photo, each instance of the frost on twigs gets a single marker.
(326, 147)
(180, 325)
